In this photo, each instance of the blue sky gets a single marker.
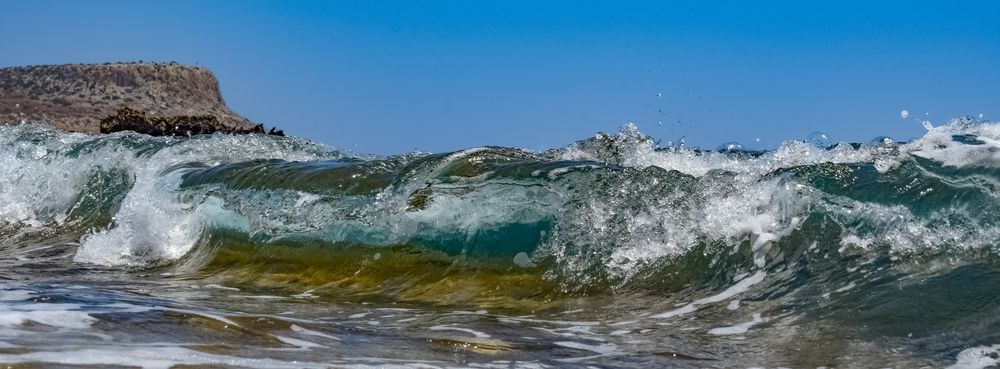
(393, 76)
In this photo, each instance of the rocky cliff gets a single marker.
(77, 97)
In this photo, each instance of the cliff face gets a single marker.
(76, 97)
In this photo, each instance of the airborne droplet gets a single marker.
(819, 139)
(523, 260)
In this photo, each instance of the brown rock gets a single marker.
(147, 97)
(128, 119)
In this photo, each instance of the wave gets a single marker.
(615, 213)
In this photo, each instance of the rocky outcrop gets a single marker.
(159, 99)
(128, 119)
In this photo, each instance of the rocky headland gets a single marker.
(162, 99)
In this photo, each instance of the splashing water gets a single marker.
(612, 251)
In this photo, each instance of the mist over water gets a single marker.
(613, 251)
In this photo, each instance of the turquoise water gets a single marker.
(256, 251)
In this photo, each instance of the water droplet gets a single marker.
(819, 139)
(523, 260)
(904, 114)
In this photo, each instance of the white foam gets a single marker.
(939, 145)
(750, 202)
(200, 313)
(149, 358)
(475, 333)
(305, 295)
(732, 197)
(689, 308)
(63, 317)
(16, 295)
(546, 321)
(640, 151)
(299, 344)
(221, 287)
(846, 288)
(739, 328)
(736, 289)
(604, 348)
(309, 332)
(152, 230)
(980, 357)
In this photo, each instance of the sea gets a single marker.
(253, 251)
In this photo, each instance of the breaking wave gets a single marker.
(609, 214)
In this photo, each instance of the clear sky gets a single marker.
(393, 76)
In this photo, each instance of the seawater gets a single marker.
(613, 252)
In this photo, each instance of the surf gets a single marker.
(801, 236)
